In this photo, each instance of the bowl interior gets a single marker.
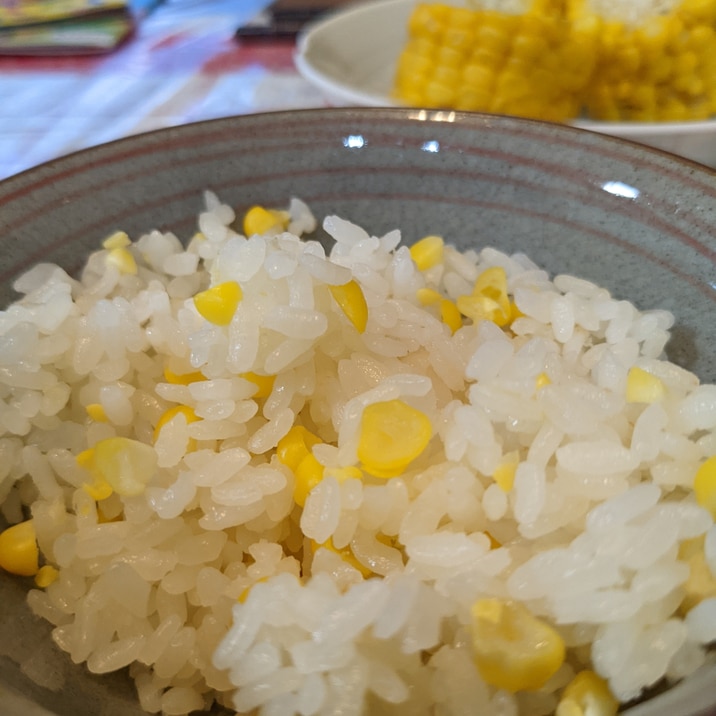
(634, 220)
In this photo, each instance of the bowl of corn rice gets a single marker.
(361, 411)
(642, 71)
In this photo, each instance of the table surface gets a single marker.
(183, 65)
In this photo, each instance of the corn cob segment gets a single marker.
(661, 67)
(524, 64)
(559, 59)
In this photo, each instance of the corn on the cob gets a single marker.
(656, 67)
(532, 64)
(557, 59)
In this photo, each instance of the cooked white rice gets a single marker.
(211, 584)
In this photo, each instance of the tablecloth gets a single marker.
(183, 65)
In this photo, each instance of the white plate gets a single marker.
(351, 56)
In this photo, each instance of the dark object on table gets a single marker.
(286, 18)
(74, 27)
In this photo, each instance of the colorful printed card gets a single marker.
(31, 27)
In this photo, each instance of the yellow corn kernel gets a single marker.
(259, 220)
(46, 576)
(483, 308)
(18, 549)
(702, 36)
(541, 381)
(345, 553)
(263, 383)
(428, 296)
(489, 300)
(438, 95)
(529, 46)
(117, 240)
(99, 488)
(480, 76)
(705, 485)
(587, 694)
(85, 458)
(123, 260)
(218, 304)
(427, 18)
(295, 445)
(350, 298)
(96, 412)
(459, 41)
(427, 252)
(183, 378)
(701, 583)
(494, 31)
(698, 10)
(308, 474)
(504, 474)
(392, 434)
(126, 465)
(411, 65)
(450, 314)
(643, 387)
(492, 282)
(515, 312)
(189, 415)
(446, 75)
(513, 649)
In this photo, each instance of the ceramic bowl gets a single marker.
(632, 219)
(351, 55)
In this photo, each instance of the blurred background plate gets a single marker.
(351, 56)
